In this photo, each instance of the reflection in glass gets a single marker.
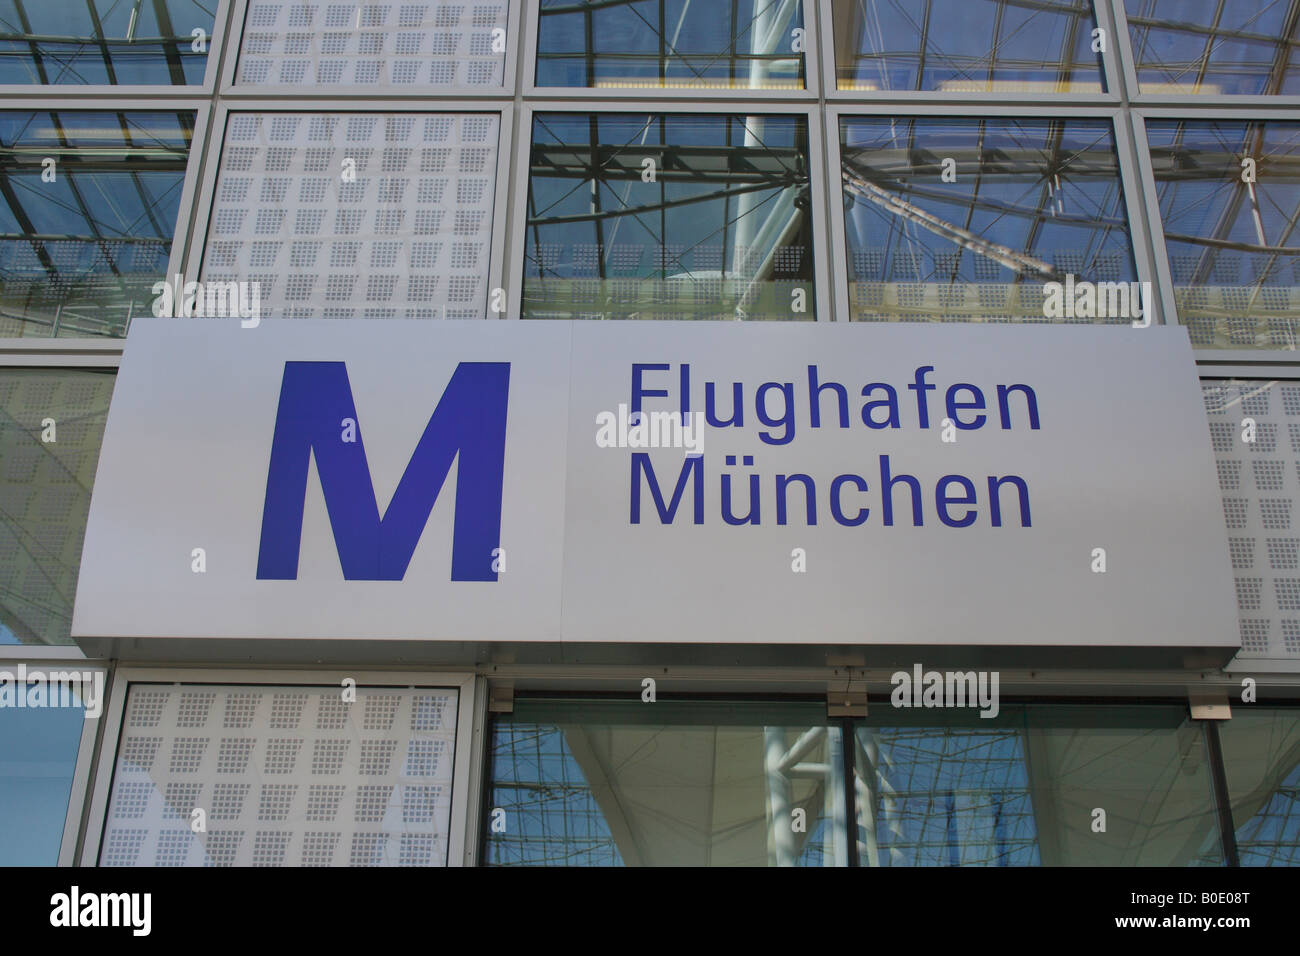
(1261, 756)
(605, 783)
(88, 208)
(45, 494)
(1214, 47)
(105, 42)
(967, 46)
(668, 217)
(970, 219)
(1021, 788)
(681, 44)
(1230, 203)
(38, 756)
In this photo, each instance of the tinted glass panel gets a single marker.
(88, 209)
(971, 220)
(604, 783)
(105, 41)
(1230, 205)
(1216, 47)
(754, 44)
(1261, 754)
(51, 426)
(671, 217)
(966, 46)
(38, 755)
(1024, 787)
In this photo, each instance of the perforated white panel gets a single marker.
(286, 776)
(356, 215)
(378, 45)
(1260, 481)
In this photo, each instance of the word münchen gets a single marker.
(851, 499)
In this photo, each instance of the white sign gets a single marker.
(657, 482)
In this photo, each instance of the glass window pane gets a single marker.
(412, 45)
(1022, 788)
(966, 46)
(620, 783)
(1215, 48)
(971, 219)
(683, 44)
(88, 209)
(1258, 479)
(51, 426)
(1261, 756)
(1230, 204)
(38, 757)
(77, 42)
(285, 776)
(668, 217)
(350, 215)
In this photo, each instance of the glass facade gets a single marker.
(671, 44)
(968, 220)
(943, 161)
(102, 42)
(51, 427)
(91, 202)
(1261, 755)
(593, 782)
(38, 756)
(1024, 788)
(675, 216)
(1229, 196)
(623, 783)
(1209, 48)
(967, 46)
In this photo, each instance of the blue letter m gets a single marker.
(469, 422)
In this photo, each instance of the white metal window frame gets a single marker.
(202, 205)
(812, 65)
(823, 301)
(466, 784)
(232, 90)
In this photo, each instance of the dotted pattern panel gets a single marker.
(374, 45)
(286, 776)
(1260, 481)
(45, 495)
(356, 215)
